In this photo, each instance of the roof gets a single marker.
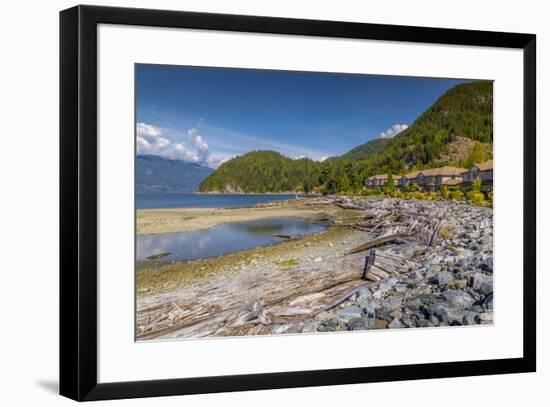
(379, 176)
(444, 171)
(452, 182)
(413, 174)
(485, 166)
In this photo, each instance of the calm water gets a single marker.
(159, 200)
(226, 238)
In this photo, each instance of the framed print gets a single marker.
(256, 203)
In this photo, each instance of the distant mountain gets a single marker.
(159, 174)
(263, 171)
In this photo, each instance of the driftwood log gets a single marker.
(250, 303)
(380, 242)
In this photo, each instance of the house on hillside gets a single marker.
(408, 179)
(482, 171)
(376, 181)
(434, 178)
(431, 180)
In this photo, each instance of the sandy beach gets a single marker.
(155, 221)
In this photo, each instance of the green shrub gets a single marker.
(415, 187)
(475, 197)
(457, 195)
(444, 192)
(396, 194)
(417, 195)
(476, 185)
(369, 192)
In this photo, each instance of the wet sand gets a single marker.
(155, 221)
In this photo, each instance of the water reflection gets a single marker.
(227, 238)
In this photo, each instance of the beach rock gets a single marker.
(323, 316)
(482, 283)
(331, 325)
(458, 284)
(393, 303)
(448, 315)
(384, 313)
(408, 322)
(363, 294)
(309, 327)
(458, 299)
(370, 308)
(401, 287)
(286, 329)
(350, 312)
(377, 323)
(485, 318)
(384, 287)
(443, 278)
(424, 323)
(469, 319)
(395, 324)
(358, 324)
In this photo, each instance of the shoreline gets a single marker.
(318, 283)
(165, 277)
(174, 220)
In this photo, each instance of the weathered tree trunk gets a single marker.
(229, 306)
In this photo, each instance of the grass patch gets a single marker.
(286, 263)
(446, 232)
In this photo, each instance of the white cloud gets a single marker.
(393, 131)
(147, 130)
(215, 162)
(151, 140)
(323, 158)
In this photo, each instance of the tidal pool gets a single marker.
(222, 239)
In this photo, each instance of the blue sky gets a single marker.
(208, 115)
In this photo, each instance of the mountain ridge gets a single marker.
(160, 174)
(436, 138)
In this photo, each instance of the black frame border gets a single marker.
(78, 202)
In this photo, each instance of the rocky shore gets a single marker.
(452, 285)
(390, 264)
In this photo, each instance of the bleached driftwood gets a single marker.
(249, 303)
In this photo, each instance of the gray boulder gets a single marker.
(395, 324)
(331, 325)
(358, 324)
(458, 299)
(482, 283)
(363, 294)
(443, 278)
(385, 286)
(348, 313)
